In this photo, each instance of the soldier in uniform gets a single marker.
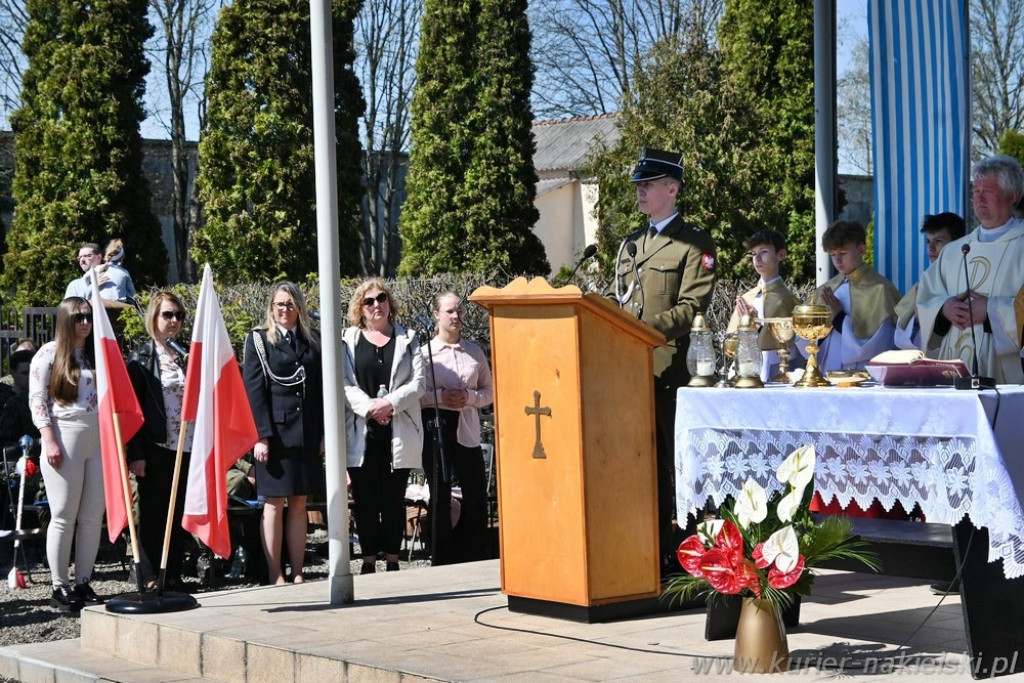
(664, 275)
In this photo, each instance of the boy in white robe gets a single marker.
(938, 230)
(863, 303)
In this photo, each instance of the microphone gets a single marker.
(631, 250)
(26, 444)
(176, 346)
(425, 322)
(588, 253)
(975, 381)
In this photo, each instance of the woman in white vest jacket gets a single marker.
(383, 424)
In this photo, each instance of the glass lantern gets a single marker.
(700, 356)
(748, 355)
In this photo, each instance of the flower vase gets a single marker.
(761, 645)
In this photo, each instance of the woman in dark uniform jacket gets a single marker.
(284, 381)
(157, 373)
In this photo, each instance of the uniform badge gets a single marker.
(708, 261)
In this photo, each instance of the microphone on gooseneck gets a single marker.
(975, 381)
(176, 346)
(425, 322)
(631, 250)
(588, 253)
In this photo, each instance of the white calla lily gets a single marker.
(751, 504)
(797, 469)
(782, 548)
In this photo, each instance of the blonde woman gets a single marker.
(384, 428)
(284, 381)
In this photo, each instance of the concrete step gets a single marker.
(66, 661)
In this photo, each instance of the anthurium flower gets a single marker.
(708, 530)
(797, 469)
(751, 504)
(781, 549)
(789, 504)
(779, 579)
(729, 574)
(690, 553)
(730, 541)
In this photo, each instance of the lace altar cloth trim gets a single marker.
(949, 476)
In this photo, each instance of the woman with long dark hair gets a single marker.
(62, 397)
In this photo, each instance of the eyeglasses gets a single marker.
(172, 315)
(380, 298)
(82, 318)
(284, 305)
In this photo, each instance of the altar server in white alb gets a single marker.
(995, 266)
(862, 301)
(938, 230)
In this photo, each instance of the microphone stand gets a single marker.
(439, 461)
(975, 381)
(631, 250)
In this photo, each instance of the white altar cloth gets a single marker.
(936, 447)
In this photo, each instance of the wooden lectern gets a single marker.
(575, 439)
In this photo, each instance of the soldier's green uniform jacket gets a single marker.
(677, 271)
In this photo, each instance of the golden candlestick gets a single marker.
(812, 322)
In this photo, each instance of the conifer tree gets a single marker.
(471, 181)
(768, 47)
(78, 153)
(256, 177)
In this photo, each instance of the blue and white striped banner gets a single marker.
(920, 104)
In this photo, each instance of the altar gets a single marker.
(955, 453)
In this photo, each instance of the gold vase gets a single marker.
(812, 322)
(761, 645)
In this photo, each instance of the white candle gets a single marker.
(747, 369)
(705, 368)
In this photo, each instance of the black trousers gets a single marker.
(154, 502)
(467, 541)
(378, 494)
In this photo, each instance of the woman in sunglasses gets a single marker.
(283, 378)
(383, 426)
(62, 398)
(157, 372)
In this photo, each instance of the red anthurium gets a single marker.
(690, 554)
(758, 554)
(720, 572)
(730, 541)
(780, 580)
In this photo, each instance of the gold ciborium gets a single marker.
(782, 330)
(812, 322)
(730, 344)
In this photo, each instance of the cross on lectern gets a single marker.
(538, 447)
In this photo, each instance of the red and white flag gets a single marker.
(216, 401)
(116, 398)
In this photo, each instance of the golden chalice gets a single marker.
(812, 322)
(729, 346)
(782, 330)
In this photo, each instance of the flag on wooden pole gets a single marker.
(216, 401)
(119, 414)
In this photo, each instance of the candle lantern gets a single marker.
(700, 356)
(748, 356)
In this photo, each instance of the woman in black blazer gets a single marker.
(157, 373)
(284, 381)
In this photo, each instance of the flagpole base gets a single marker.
(151, 603)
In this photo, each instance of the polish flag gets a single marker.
(118, 402)
(216, 401)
